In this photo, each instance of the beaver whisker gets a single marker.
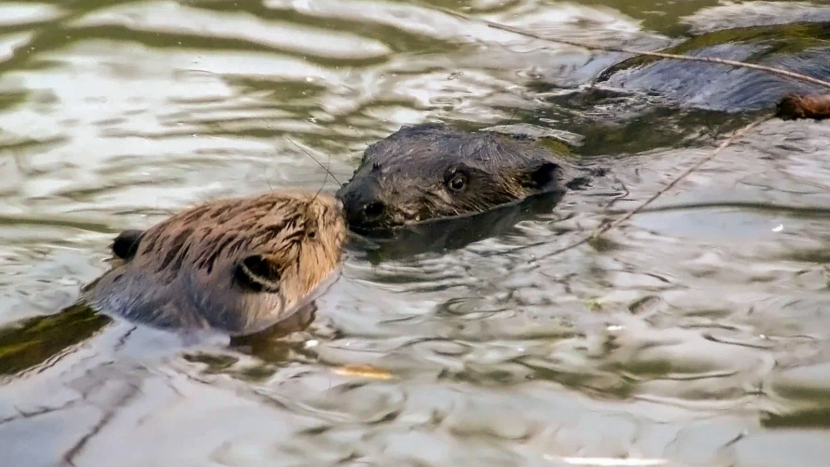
(328, 172)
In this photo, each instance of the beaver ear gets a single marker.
(126, 243)
(258, 273)
(542, 175)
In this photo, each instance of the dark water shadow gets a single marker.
(817, 417)
(261, 341)
(615, 122)
(39, 341)
(33, 342)
(269, 346)
(442, 235)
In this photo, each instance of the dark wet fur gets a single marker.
(724, 88)
(406, 178)
(234, 265)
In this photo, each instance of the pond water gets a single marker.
(695, 335)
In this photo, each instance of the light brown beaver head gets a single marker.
(235, 265)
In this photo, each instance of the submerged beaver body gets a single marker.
(432, 171)
(237, 265)
(800, 48)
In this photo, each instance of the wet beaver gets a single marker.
(800, 48)
(237, 265)
(432, 171)
(793, 107)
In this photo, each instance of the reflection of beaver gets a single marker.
(438, 236)
(235, 265)
(431, 171)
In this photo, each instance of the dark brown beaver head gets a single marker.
(432, 172)
(235, 265)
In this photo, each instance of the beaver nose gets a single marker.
(364, 205)
(373, 209)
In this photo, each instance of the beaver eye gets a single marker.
(457, 183)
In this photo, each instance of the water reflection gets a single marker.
(33, 342)
(443, 235)
(696, 334)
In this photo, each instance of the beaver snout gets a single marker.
(373, 210)
(365, 214)
(365, 207)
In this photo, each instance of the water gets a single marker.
(696, 334)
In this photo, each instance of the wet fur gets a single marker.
(235, 265)
(408, 173)
(793, 107)
(720, 88)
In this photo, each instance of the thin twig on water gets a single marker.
(729, 141)
(625, 50)
(605, 227)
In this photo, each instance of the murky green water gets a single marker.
(696, 335)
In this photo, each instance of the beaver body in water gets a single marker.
(431, 171)
(237, 265)
(800, 48)
(794, 107)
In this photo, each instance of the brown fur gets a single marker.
(793, 106)
(237, 265)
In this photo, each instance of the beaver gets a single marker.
(432, 171)
(235, 265)
(800, 48)
(793, 107)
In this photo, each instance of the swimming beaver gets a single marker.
(793, 106)
(237, 265)
(432, 171)
(800, 48)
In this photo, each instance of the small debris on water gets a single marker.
(364, 371)
(594, 304)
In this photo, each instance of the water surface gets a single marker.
(697, 334)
